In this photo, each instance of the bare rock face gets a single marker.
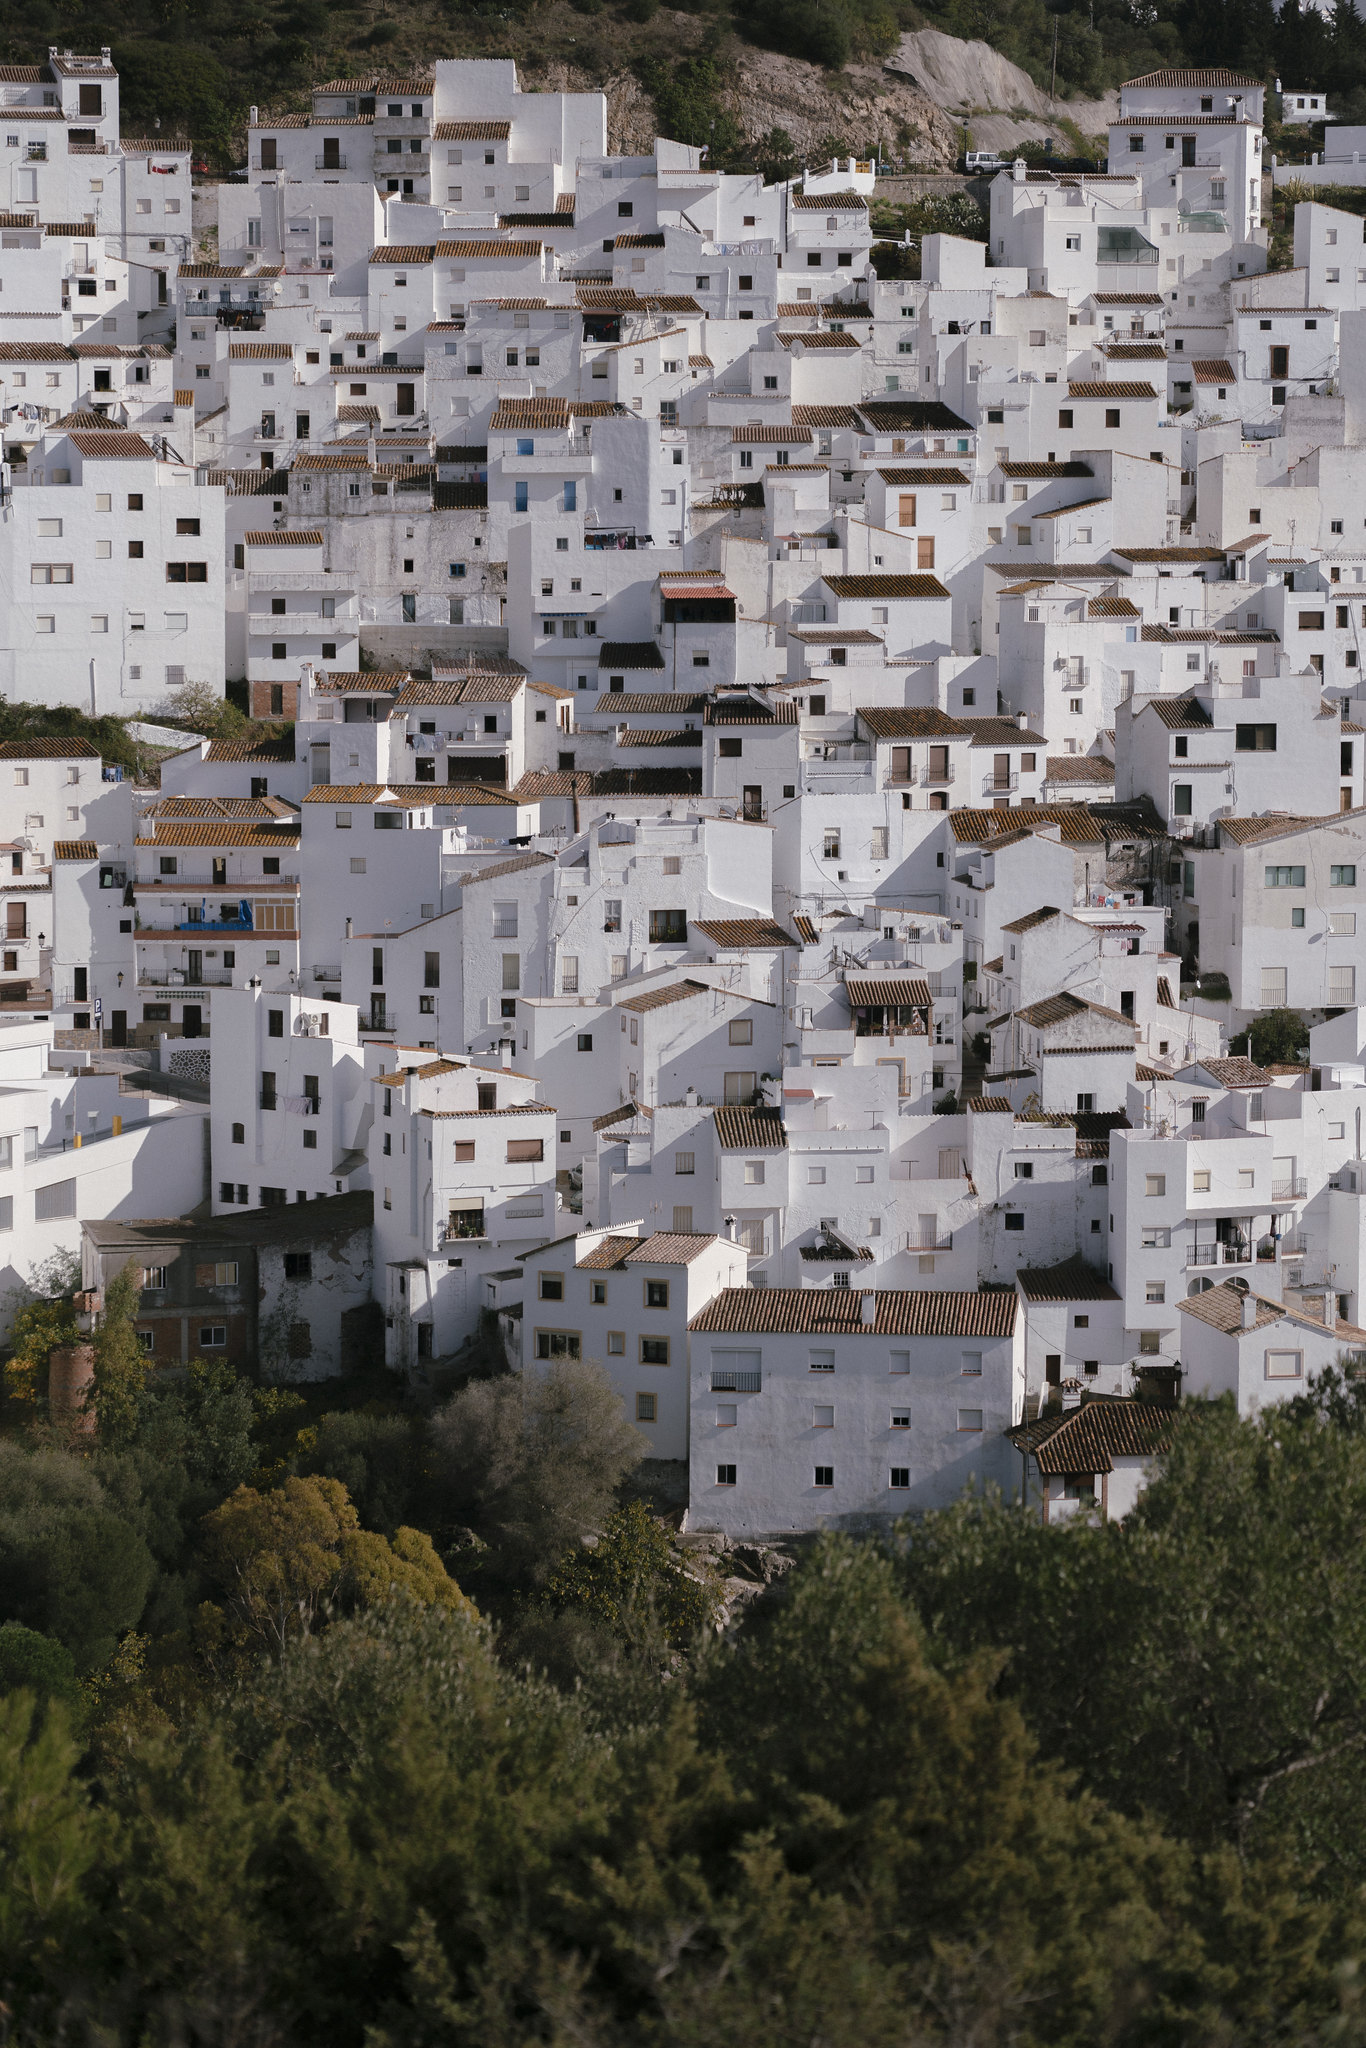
(860, 109)
(999, 101)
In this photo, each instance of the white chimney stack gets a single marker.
(1250, 1306)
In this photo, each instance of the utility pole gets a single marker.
(1053, 88)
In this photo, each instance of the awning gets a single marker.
(887, 992)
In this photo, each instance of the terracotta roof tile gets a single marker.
(898, 1312)
(758, 933)
(1089, 1438)
(868, 587)
(1072, 1280)
(743, 1128)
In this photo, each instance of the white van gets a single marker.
(983, 160)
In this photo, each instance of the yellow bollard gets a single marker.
(76, 1141)
(117, 1127)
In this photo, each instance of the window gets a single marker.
(1024, 1169)
(298, 1265)
(1285, 878)
(1284, 1365)
(668, 927)
(1155, 1291)
(212, 1336)
(654, 1351)
(725, 1475)
(972, 1363)
(1014, 1222)
(584, 1041)
(57, 1199)
(754, 1173)
(525, 1151)
(645, 1407)
(969, 1420)
(684, 1162)
(558, 1344)
(1343, 877)
(1255, 739)
(1200, 1180)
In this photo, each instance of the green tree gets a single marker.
(48, 1844)
(376, 1457)
(41, 1317)
(1205, 1660)
(633, 1575)
(280, 1556)
(70, 1565)
(535, 1459)
(121, 1366)
(1274, 1037)
(36, 1663)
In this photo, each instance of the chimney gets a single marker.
(251, 117)
(1023, 721)
(867, 1308)
(1250, 1307)
(730, 1229)
(348, 927)
(1070, 1394)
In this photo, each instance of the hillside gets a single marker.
(823, 72)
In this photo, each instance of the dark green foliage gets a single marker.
(1280, 1037)
(376, 1457)
(37, 1664)
(70, 1565)
(633, 1576)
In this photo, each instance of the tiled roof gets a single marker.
(898, 1312)
(817, 340)
(1136, 352)
(753, 436)
(1193, 81)
(760, 933)
(642, 704)
(742, 709)
(887, 991)
(471, 131)
(34, 351)
(910, 722)
(1222, 1308)
(828, 416)
(1074, 821)
(260, 351)
(988, 1105)
(1061, 1008)
(914, 586)
(344, 793)
(1089, 1438)
(741, 1128)
(924, 476)
(1110, 391)
(1280, 825)
(615, 1116)
(517, 865)
(806, 931)
(265, 747)
(665, 1248)
(1087, 768)
(1073, 1280)
(1112, 608)
(1180, 714)
(118, 446)
(1127, 298)
(1044, 472)
(48, 750)
(268, 537)
(271, 837)
(1002, 732)
(830, 202)
(661, 998)
(912, 416)
(1214, 370)
(1235, 1072)
(1171, 554)
(75, 849)
(650, 736)
(364, 682)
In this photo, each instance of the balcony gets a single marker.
(1000, 785)
(1219, 1255)
(1290, 1190)
(724, 1381)
(462, 1224)
(327, 973)
(175, 978)
(939, 778)
(329, 163)
(927, 1241)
